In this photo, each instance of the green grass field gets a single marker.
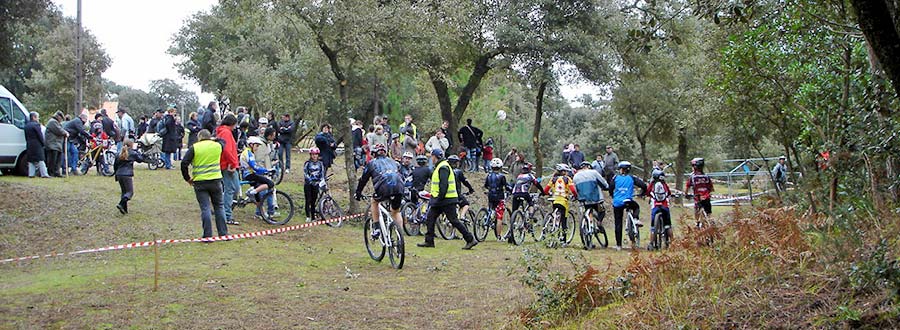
(310, 278)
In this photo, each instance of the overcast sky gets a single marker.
(136, 35)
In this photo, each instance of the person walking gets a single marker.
(326, 144)
(169, 132)
(124, 169)
(444, 201)
(286, 131)
(470, 136)
(127, 129)
(201, 169)
(779, 174)
(78, 136)
(193, 126)
(55, 137)
(34, 146)
(228, 164)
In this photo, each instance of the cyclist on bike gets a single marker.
(420, 177)
(255, 174)
(313, 175)
(623, 191)
(702, 188)
(495, 184)
(406, 169)
(590, 186)
(386, 180)
(660, 193)
(460, 182)
(561, 188)
(522, 187)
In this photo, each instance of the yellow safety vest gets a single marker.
(206, 160)
(451, 181)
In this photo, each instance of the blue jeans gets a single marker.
(167, 159)
(231, 185)
(487, 166)
(665, 218)
(473, 155)
(73, 157)
(284, 154)
(209, 196)
(270, 202)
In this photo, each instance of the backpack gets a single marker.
(659, 192)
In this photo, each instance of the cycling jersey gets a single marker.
(660, 194)
(249, 164)
(588, 184)
(702, 185)
(523, 184)
(385, 175)
(623, 188)
(561, 188)
(314, 172)
(496, 185)
(406, 174)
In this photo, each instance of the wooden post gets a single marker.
(155, 264)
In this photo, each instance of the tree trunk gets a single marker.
(876, 23)
(478, 72)
(443, 96)
(344, 126)
(642, 143)
(376, 103)
(681, 158)
(536, 132)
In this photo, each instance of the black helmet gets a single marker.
(421, 159)
(659, 175)
(697, 162)
(453, 159)
(527, 168)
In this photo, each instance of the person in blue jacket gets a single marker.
(590, 185)
(623, 197)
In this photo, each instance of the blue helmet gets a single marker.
(437, 153)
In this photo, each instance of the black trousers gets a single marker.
(126, 185)
(450, 212)
(619, 213)
(311, 194)
(53, 158)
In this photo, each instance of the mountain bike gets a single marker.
(414, 216)
(326, 206)
(592, 227)
(445, 227)
(385, 234)
(527, 219)
(277, 211)
(100, 155)
(631, 227)
(553, 226)
(705, 224)
(660, 238)
(495, 220)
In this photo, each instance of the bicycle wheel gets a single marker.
(407, 212)
(153, 162)
(106, 169)
(571, 227)
(279, 174)
(518, 229)
(633, 234)
(396, 251)
(373, 242)
(418, 220)
(586, 234)
(548, 228)
(445, 228)
(329, 209)
(282, 213)
(537, 219)
(481, 224)
(470, 220)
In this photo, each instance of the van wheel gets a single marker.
(21, 165)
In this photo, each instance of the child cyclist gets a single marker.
(659, 194)
(254, 173)
(702, 188)
(313, 175)
(622, 187)
(496, 188)
(561, 187)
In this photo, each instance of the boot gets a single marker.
(426, 245)
(470, 244)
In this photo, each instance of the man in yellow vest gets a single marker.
(206, 177)
(444, 198)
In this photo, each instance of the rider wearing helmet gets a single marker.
(406, 169)
(313, 175)
(420, 177)
(659, 193)
(495, 184)
(444, 198)
(562, 189)
(590, 186)
(386, 179)
(702, 187)
(623, 193)
(254, 173)
(522, 187)
(460, 182)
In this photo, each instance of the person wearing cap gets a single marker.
(229, 164)
(444, 199)
(387, 183)
(313, 175)
(54, 137)
(264, 152)
(255, 174)
(779, 174)
(326, 144)
(200, 169)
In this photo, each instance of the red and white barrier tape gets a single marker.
(191, 240)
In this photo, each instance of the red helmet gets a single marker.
(314, 151)
(380, 149)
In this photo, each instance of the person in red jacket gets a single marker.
(487, 154)
(231, 182)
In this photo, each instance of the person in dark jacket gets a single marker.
(124, 168)
(142, 126)
(154, 122)
(313, 174)
(109, 126)
(576, 157)
(180, 129)
(78, 136)
(444, 198)
(326, 144)
(470, 136)
(55, 137)
(34, 146)
(170, 138)
(193, 127)
(286, 130)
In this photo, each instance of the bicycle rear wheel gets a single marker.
(396, 252)
(283, 212)
(373, 242)
(518, 228)
(279, 174)
(537, 219)
(586, 234)
(408, 212)
(445, 228)
(481, 224)
(329, 209)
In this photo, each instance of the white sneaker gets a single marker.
(638, 223)
(618, 248)
(287, 170)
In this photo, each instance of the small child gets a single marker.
(561, 187)
(660, 193)
(313, 174)
(124, 168)
(488, 154)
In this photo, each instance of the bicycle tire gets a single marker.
(634, 234)
(419, 218)
(571, 227)
(109, 159)
(278, 176)
(548, 228)
(470, 218)
(407, 212)
(481, 224)
(657, 236)
(586, 232)
(445, 228)
(281, 215)
(600, 236)
(518, 228)
(329, 209)
(538, 219)
(396, 252)
(371, 242)
(502, 229)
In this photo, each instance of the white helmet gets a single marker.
(496, 163)
(264, 120)
(407, 155)
(255, 140)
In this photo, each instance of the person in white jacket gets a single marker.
(437, 141)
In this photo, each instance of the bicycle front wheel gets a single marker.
(283, 212)
(445, 228)
(329, 209)
(482, 223)
(372, 239)
(571, 226)
(396, 250)
(519, 227)
(106, 169)
(407, 212)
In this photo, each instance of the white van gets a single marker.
(13, 117)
